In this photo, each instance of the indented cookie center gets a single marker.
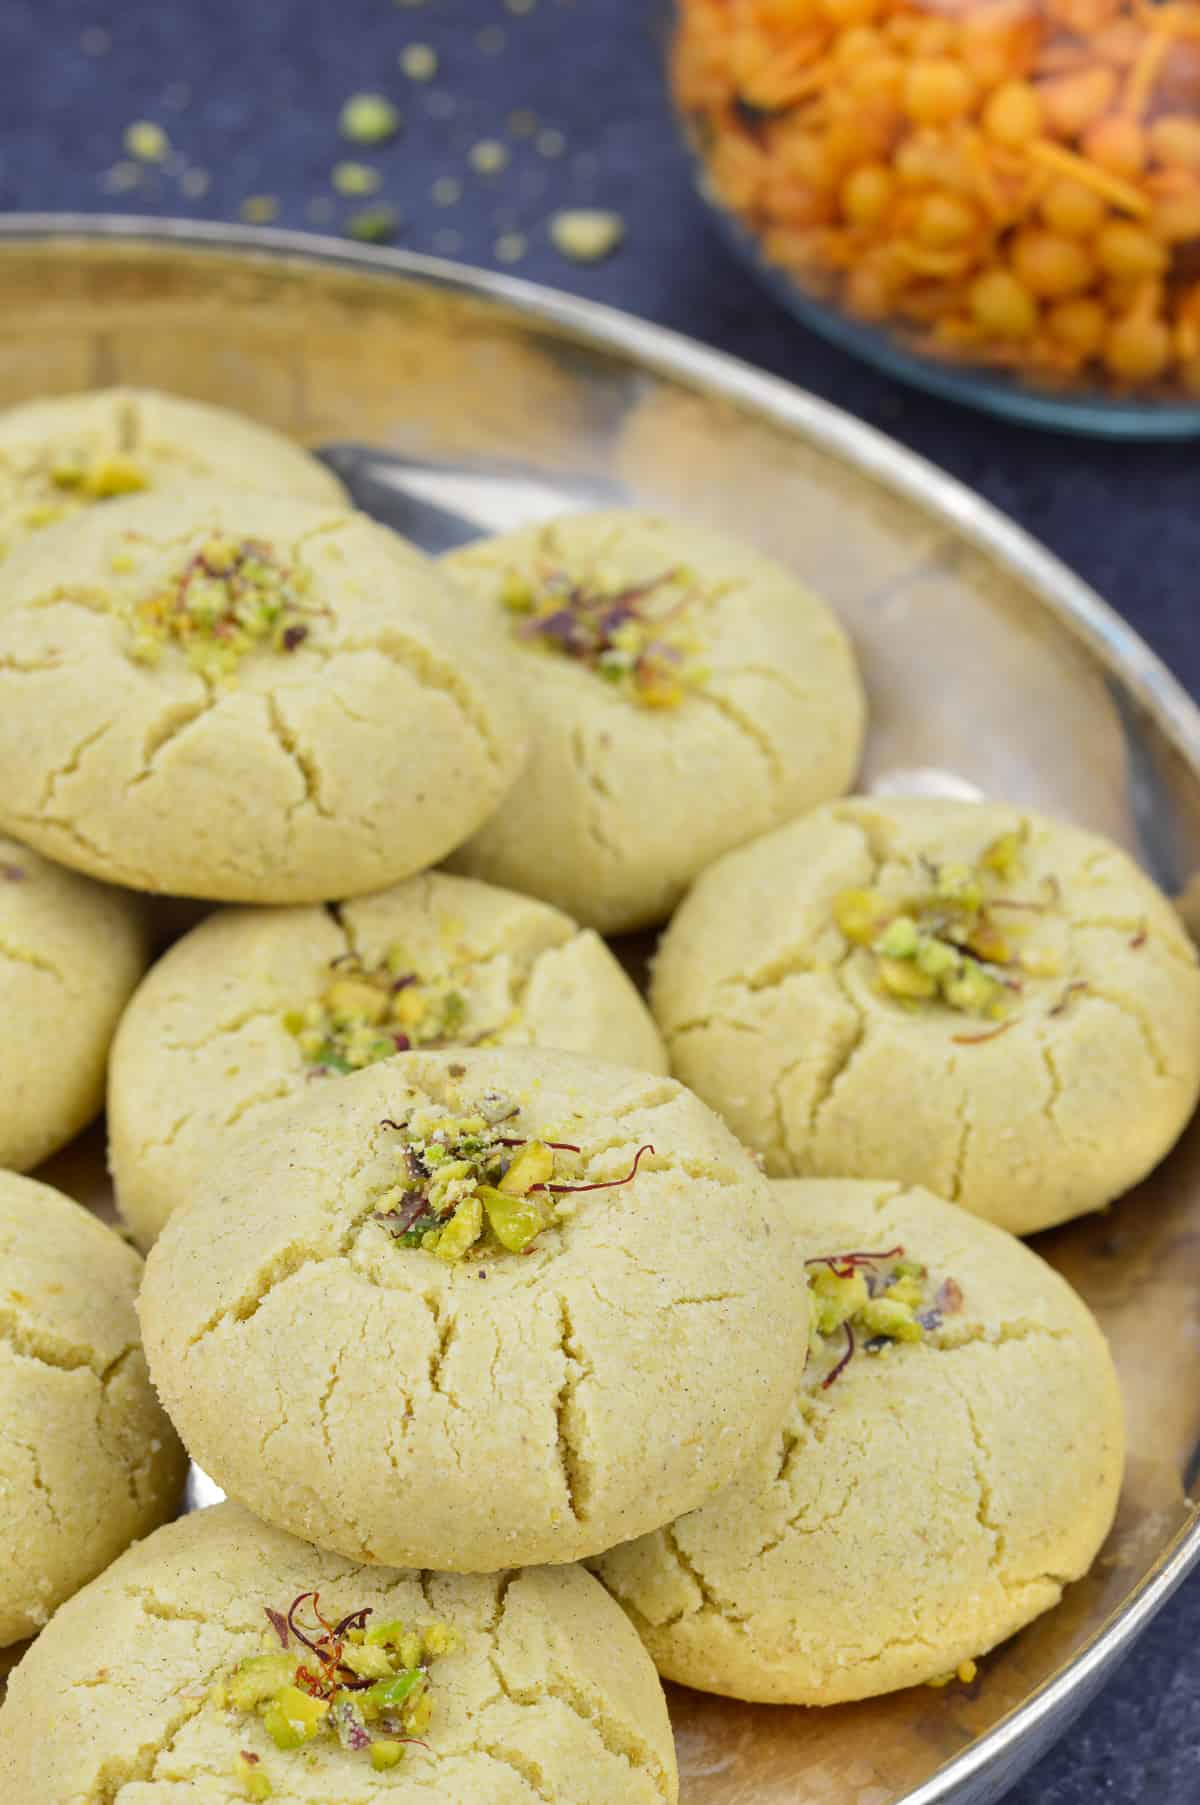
(866, 1301)
(474, 1186)
(368, 1012)
(966, 939)
(364, 1686)
(227, 597)
(639, 637)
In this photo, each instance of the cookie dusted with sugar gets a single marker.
(465, 1309)
(951, 1462)
(243, 698)
(963, 995)
(88, 1460)
(221, 1660)
(257, 1004)
(685, 693)
(71, 952)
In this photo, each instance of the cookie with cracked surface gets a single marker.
(88, 1460)
(470, 1309)
(951, 1461)
(962, 995)
(245, 698)
(68, 452)
(253, 1005)
(155, 1684)
(686, 693)
(71, 952)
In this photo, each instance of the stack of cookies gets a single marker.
(540, 1337)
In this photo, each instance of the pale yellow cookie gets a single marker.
(466, 1309)
(243, 697)
(88, 1461)
(60, 455)
(684, 693)
(71, 953)
(527, 1685)
(812, 990)
(255, 1005)
(926, 1498)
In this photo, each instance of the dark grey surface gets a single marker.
(249, 92)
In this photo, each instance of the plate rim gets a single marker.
(1002, 1754)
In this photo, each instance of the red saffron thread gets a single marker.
(605, 1184)
(975, 1040)
(844, 1362)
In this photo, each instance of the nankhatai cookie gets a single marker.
(245, 698)
(464, 1309)
(88, 1461)
(60, 455)
(951, 1461)
(963, 995)
(221, 1660)
(255, 1004)
(71, 953)
(684, 694)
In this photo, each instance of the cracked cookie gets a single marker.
(71, 953)
(245, 698)
(88, 1460)
(943, 1473)
(255, 1005)
(64, 454)
(221, 1661)
(466, 1309)
(963, 995)
(685, 694)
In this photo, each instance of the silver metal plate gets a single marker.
(992, 671)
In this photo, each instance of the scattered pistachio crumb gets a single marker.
(522, 123)
(511, 247)
(550, 142)
(355, 178)
(95, 41)
(259, 209)
(374, 225)
(586, 234)
(146, 141)
(195, 182)
(446, 191)
(369, 119)
(419, 62)
(488, 157)
(120, 177)
(492, 39)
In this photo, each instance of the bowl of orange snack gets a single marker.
(996, 199)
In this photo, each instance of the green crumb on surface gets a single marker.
(374, 225)
(488, 157)
(419, 62)
(146, 141)
(369, 1012)
(355, 178)
(369, 119)
(632, 635)
(228, 597)
(586, 234)
(872, 1300)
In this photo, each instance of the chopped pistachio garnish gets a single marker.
(945, 944)
(355, 178)
(586, 234)
(228, 597)
(471, 1184)
(873, 1299)
(146, 141)
(369, 119)
(649, 657)
(369, 1012)
(374, 225)
(367, 1689)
